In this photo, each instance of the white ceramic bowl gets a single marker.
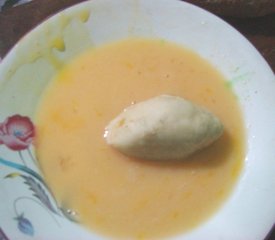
(27, 207)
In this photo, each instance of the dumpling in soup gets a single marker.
(162, 128)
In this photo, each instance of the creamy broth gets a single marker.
(128, 198)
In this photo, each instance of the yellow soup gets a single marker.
(122, 197)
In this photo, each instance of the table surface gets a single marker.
(259, 30)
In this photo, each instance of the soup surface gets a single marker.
(128, 198)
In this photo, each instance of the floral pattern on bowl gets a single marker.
(17, 133)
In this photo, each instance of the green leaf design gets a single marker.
(34, 185)
(13, 175)
(34, 181)
(23, 169)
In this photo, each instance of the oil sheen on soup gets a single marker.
(128, 198)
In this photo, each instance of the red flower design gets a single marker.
(17, 132)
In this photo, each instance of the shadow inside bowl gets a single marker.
(211, 157)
